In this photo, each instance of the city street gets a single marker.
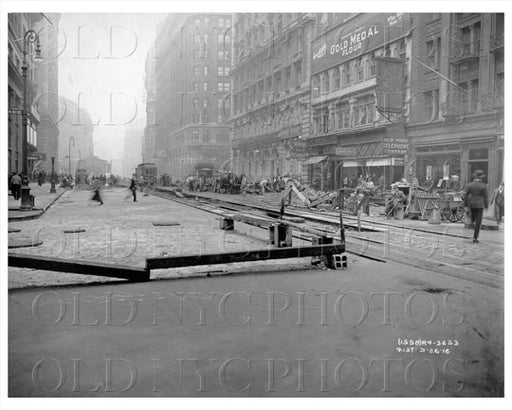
(282, 203)
(256, 329)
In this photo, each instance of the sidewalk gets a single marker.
(43, 199)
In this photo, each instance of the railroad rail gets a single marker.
(442, 253)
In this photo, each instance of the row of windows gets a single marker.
(205, 86)
(354, 71)
(206, 22)
(208, 137)
(267, 89)
(205, 70)
(223, 39)
(343, 117)
(204, 54)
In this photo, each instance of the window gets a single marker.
(326, 84)
(205, 86)
(372, 69)
(473, 103)
(205, 102)
(288, 78)
(221, 108)
(206, 70)
(223, 87)
(434, 52)
(337, 79)
(431, 104)
(197, 70)
(197, 38)
(196, 103)
(197, 22)
(346, 119)
(205, 136)
(298, 72)
(206, 21)
(339, 114)
(196, 87)
(360, 69)
(277, 82)
(346, 75)
(223, 71)
(201, 54)
(222, 55)
(316, 86)
(195, 136)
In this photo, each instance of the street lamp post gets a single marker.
(52, 189)
(30, 37)
(69, 153)
(26, 199)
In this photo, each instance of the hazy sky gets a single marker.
(102, 67)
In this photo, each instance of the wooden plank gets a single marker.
(301, 196)
(244, 256)
(80, 267)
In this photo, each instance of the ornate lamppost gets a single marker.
(30, 37)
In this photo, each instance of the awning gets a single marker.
(314, 160)
(378, 162)
(352, 163)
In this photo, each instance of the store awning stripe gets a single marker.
(314, 160)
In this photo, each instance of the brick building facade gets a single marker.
(189, 81)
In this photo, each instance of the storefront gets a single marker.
(436, 162)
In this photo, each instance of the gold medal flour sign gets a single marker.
(363, 33)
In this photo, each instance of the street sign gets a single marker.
(15, 111)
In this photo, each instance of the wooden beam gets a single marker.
(244, 256)
(81, 267)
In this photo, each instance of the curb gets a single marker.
(41, 210)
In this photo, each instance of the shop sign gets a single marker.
(394, 146)
(356, 37)
(298, 145)
(346, 152)
(395, 142)
(390, 82)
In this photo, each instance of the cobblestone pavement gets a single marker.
(122, 232)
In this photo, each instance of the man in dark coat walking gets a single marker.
(133, 188)
(476, 200)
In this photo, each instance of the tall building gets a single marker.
(19, 26)
(456, 104)
(149, 146)
(75, 136)
(270, 77)
(360, 75)
(47, 92)
(187, 87)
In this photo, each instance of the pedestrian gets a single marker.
(395, 203)
(498, 199)
(16, 186)
(476, 200)
(96, 196)
(133, 188)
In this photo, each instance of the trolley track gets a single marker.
(439, 252)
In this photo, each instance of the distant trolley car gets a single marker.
(146, 173)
